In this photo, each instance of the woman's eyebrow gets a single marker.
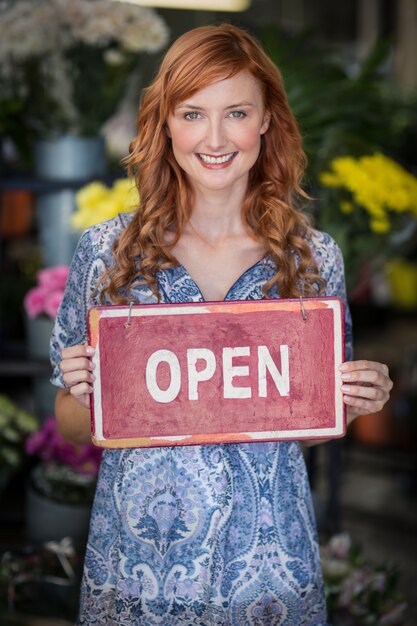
(240, 104)
(190, 105)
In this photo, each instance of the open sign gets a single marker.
(217, 372)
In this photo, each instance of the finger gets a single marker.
(78, 376)
(81, 389)
(367, 393)
(363, 406)
(78, 350)
(351, 366)
(375, 377)
(74, 364)
(84, 400)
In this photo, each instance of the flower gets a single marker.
(69, 62)
(97, 203)
(46, 297)
(358, 591)
(65, 472)
(376, 184)
(15, 425)
(369, 205)
(119, 130)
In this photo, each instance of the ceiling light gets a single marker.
(205, 5)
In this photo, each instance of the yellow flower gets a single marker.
(378, 184)
(329, 180)
(379, 227)
(91, 195)
(346, 207)
(126, 194)
(97, 203)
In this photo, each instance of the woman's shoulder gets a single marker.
(322, 245)
(101, 237)
(109, 230)
(327, 254)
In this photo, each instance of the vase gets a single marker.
(38, 335)
(16, 216)
(375, 429)
(48, 520)
(70, 158)
(69, 162)
(5, 477)
(44, 393)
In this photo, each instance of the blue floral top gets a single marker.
(199, 535)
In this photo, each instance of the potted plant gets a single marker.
(15, 426)
(69, 85)
(358, 591)
(41, 581)
(73, 79)
(369, 205)
(41, 305)
(61, 485)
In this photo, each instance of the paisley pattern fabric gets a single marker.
(201, 535)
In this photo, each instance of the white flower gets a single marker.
(340, 545)
(30, 30)
(334, 568)
(56, 73)
(113, 57)
(118, 132)
(71, 60)
(137, 37)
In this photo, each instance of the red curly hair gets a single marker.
(197, 59)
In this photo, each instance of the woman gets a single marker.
(219, 534)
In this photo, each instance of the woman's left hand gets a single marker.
(366, 387)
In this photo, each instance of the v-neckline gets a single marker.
(184, 270)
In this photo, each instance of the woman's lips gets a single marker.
(211, 161)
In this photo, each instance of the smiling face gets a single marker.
(216, 133)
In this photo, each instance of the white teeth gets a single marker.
(216, 160)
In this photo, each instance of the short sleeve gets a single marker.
(334, 273)
(80, 293)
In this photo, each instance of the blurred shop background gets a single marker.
(71, 74)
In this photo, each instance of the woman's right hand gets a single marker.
(77, 370)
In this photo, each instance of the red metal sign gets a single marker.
(217, 372)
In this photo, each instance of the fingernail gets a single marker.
(92, 365)
(345, 376)
(346, 388)
(344, 367)
(89, 350)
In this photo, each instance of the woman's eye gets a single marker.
(192, 115)
(237, 114)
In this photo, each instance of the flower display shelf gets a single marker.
(13, 361)
(37, 185)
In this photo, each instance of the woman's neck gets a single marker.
(217, 216)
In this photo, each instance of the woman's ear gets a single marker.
(168, 132)
(265, 123)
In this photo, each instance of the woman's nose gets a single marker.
(216, 136)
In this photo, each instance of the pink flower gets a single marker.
(53, 278)
(34, 301)
(34, 442)
(47, 296)
(49, 445)
(53, 300)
